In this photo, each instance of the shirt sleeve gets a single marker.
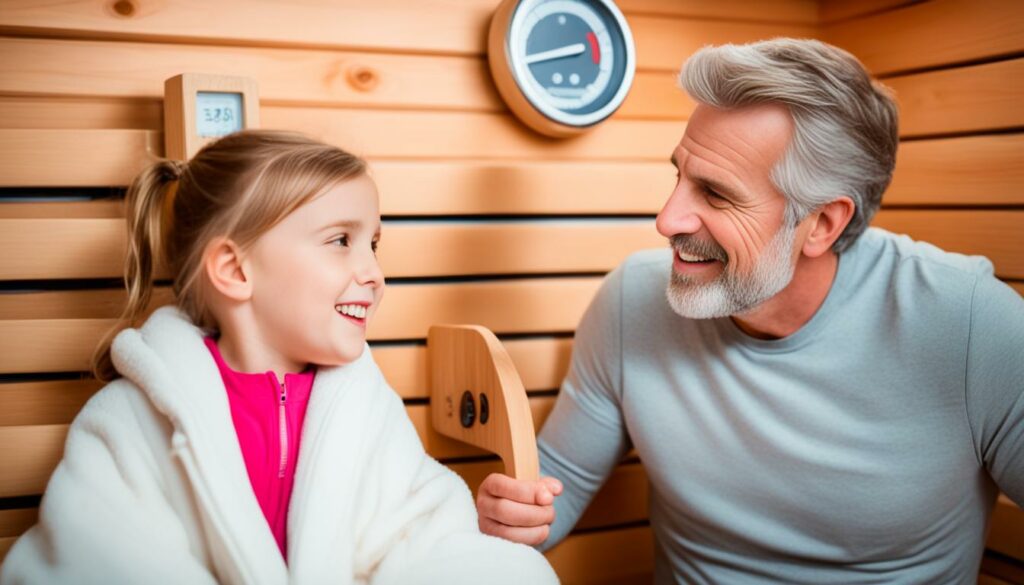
(995, 383)
(584, 437)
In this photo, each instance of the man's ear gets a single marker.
(827, 225)
(222, 262)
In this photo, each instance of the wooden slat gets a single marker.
(934, 33)
(831, 11)
(1006, 531)
(995, 234)
(791, 11)
(98, 68)
(44, 403)
(41, 158)
(402, 134)
(58, 157)
(1018, 286)
(20, 112)
(605, 557)
(76, 248)
(663, 44)
(57, 331)
(96, 84)
(28, 468)
(468, 187)
(419, 27)
(964, 99)
(1002, 570)
(973, 170)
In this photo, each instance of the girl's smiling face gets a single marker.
(315, 277)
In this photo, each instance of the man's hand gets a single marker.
(517, 510)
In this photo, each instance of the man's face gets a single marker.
(725, 218)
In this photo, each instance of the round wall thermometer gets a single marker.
(562, 66)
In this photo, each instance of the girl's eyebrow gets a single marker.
(349, 224)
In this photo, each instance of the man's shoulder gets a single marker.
(907, 253)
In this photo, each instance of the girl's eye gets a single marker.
(341, 241)
(374, 245)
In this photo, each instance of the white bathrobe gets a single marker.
(153, 488)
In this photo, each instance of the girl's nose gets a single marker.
(369, 273)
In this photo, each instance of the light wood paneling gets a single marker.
(39, 158)
(56, 157)
(934, 33)
(790, 11)
(831, 11)
(51, 402)
(606, 557)
(468, 187)
(973, 170)
(78, 248)
(995, 234)
(424, 26)
(664, 43)
(57, 331)
(428, 26)
(1017, 286)
(402, 134)
(963, 99)
(120, 85)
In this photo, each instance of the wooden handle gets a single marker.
(476, 396)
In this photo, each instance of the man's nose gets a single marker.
(679, 215)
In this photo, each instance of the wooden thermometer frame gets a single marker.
(181, 132)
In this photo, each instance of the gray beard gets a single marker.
(733, 294)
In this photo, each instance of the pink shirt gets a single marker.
(260, 407)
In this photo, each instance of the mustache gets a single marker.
(688, 244)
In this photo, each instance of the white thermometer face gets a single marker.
(571, 58)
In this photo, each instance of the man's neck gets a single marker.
(789, 310)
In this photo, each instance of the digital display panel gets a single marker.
(218, 113)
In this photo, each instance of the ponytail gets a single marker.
(148, 216)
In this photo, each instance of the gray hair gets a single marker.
(845, 124)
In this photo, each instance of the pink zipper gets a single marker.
(283, 426)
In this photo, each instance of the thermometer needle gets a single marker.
(566, 51)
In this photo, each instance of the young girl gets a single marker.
(250, 437)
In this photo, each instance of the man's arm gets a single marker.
(995, 383)
(581, 442)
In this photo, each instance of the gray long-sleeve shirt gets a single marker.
(867, 447)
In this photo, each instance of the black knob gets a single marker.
(485, 409)
(467, 409)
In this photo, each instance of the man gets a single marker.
(815, 401)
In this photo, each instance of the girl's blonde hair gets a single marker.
(237, 187)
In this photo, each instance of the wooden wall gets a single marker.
(485, 222)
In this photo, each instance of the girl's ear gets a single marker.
(828, 224)
(222, 262)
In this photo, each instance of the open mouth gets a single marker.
(692, 259)
(355, 312)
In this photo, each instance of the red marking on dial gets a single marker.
(595, 49)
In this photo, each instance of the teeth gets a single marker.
(357, 311)
(688, 258)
